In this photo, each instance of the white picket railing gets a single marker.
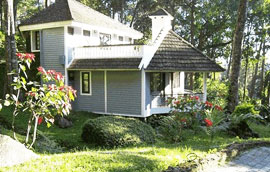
(120, 51)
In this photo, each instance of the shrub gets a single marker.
(170, 129)
(111, 131)
(245, 108)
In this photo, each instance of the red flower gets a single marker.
(30, 56)
(197, 97)
(40, 119)
(183, 120)
(218, 108)
(208, 104)
(20, 56)
(208, 122)
(177, 102)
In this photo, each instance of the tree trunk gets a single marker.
(262, 71)
(236, 56)
(254, 78)
(10, 44)
(134, 13)
(192, 40)
(1, 15)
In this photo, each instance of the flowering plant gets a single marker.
(194, 114)
(43, 101)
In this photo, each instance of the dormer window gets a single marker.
(105, 39)
(35, 43)
(86, 33)
(70, 30)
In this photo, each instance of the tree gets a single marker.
(236, 56)
(10, 44)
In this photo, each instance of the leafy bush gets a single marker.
(111, 131)
(170, 129)
(245, 108)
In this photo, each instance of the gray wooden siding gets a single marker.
(124, 92)
(94, 102)
(148, 97)
(52, 47)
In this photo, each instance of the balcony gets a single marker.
(109, 51)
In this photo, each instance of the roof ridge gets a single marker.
(189, 44)
(100, 14)
(69, 10)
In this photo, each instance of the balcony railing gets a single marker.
(111, 51)
(158, 101)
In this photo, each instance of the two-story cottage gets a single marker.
(98, 57)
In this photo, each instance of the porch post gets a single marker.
(204, 87)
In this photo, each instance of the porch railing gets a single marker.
(110, 51)
(158, 101)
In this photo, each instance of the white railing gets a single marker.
(117, 51)
(162, 100)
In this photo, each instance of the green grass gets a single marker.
(145, 158)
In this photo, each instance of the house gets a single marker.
(98, 57)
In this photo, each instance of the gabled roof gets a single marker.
(176, 54)
(66, 10)
(109, 63)
(160, 12)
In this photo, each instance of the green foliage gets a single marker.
(217, 92)
(170, 130)
(245, 108)
(113, 131)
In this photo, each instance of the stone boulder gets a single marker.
(62, 122)
(13, 152)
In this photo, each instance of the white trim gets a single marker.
(143, 111)
(204, 87)
(90, 85)
(119, 114)
(160, 110)
(105, 69)
(66, 55)
(31, 41)
(105, 91)
(44, 25)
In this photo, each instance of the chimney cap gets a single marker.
(161, 12)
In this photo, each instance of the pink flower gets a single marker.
(41, 70)
(177, 102)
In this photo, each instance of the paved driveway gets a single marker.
(255, 160)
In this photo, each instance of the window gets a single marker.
(121, 38)
(35, 44)
(176, 79)
(86, 33)
(105, 39)
(70, 30)
(86, 83)
(157, 82)
(130, 40)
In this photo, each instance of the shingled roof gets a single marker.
(176, 54)
(160, 12)
(66, 10)
(108, 63)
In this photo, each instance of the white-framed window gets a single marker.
(86, 83)
(86, 33)
(105, 39)
(35, 41)
(121, 38)
(70, 30)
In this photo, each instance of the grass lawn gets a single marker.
(83, 157)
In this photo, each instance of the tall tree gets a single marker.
(236, 56)
(10, 44)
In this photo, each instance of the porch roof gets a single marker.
(175, 53)
(106, 63)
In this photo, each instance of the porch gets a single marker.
(162, 86)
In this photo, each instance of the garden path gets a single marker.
(255, 160)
